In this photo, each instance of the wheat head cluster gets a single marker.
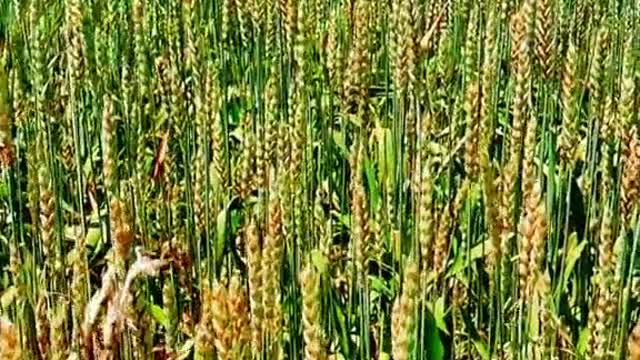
(319, 179)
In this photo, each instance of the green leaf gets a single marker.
(574, 251)
(355, 120)
(339, 141)
(4, 190)
(439, 314)
(476, 253)
(482, 348)
(319, 261)
(480, 250)
(88, 164)
(221, 232)
(583, 339)
(374, 192)
(436, 148)
(344, 335)
(93, 237)
(345, 219)
(389, 157)
(433, 343)
(380, 286)
(158, 314)
(235, 220)
(379, 134)
(384, 155)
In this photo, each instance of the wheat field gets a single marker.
(319, 179)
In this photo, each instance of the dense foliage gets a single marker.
(319, 179)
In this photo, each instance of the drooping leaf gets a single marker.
(574, 252)
(476, 253)
(439, 314)
(158, 314)
(380, 286)
(481, 348)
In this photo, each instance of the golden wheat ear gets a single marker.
(9, 344)
(403, 314)
(634, 343)
(256, 285)
(311, 317)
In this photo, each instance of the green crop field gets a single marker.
(319, 179)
